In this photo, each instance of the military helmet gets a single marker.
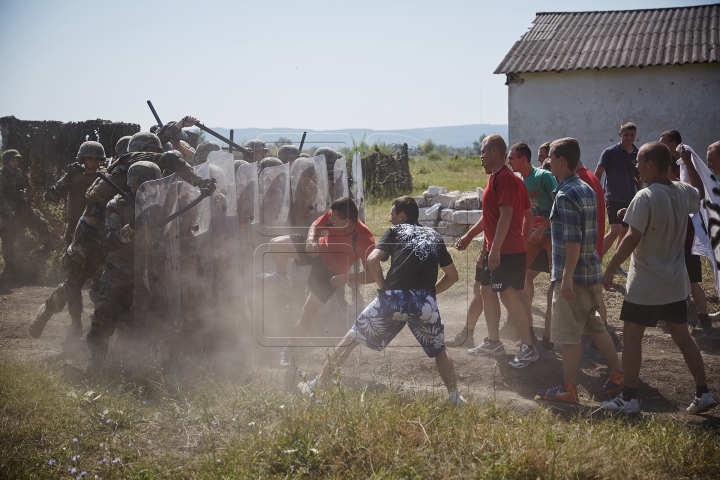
(203, 150)
(331, 155)
(256, 145)
(142, 140)
(91, 150)
(268, 162)
(140, 172)
(8, 154)
(121, 147)
(238, 163)
(286, 152)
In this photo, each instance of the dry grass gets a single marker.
(216, 429)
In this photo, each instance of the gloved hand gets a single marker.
(207, 186)
(75, 168)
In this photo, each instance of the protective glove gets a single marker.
(75, 168)
(207, 186)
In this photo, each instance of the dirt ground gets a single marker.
(666, 386)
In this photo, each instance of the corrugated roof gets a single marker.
(629, 38)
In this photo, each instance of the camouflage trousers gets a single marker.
(77, 270)
(114, 304)
(14, 241)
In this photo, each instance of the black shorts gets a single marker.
(541, 264)
(510, 273)
(648, 315)
(612, 209)
(320, 274)
(693, 266)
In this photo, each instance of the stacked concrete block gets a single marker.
(456, 213)
(466, 217)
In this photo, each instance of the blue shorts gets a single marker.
(387, 315)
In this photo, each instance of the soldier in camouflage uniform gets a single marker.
(258, 148)
(148, 147)
(116, 290)
(121, 147)
(16, 212)
(84, 255)
(288, 153)
(73, 185)
(204, 150)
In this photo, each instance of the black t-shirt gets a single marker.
(415, 254)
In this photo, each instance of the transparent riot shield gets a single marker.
(225, 227)
(309, 199)
(358, 189)
(248, 212)
(157, 293)
(338, 177)
(196, 273)
(322, 179)
(274, 183)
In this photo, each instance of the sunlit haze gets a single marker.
(315, 65)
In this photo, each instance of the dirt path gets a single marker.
(666, 385)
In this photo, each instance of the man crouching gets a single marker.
(406, 296)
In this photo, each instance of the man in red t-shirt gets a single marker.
(507, 222)
(331, 255)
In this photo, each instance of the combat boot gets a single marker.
(76, 326)
(97, 345)
(41, 319)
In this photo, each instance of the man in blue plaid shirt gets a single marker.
(577, 274)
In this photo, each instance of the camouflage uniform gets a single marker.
(16, 214)
(100, 192)
(72, 186)
(84, 254)
(116, 288)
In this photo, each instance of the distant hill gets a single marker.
(455, 136)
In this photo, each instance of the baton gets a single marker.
(204, 128)
(302, 141)
(203, 194)
(115, 187)
(226, 140)
(157, 117)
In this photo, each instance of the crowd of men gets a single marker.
(534, 219)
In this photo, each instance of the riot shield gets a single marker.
(248, 210)
(196, 277)
(339, 179)
(322, 179)
(358, 190)
(309, 200)
(224, 226)
(157, 292)
(274, 183)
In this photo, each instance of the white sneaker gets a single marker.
(525, 356)
(456, 399)
(618, 404)
(307, 388)
(701, 405)
(488, 349)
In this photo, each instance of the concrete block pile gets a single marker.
(451, 214)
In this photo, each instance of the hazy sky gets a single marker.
(312, 64)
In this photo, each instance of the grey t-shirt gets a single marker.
(657, 269)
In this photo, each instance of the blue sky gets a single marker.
(271, 63)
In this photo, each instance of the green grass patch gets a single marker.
(142, 428)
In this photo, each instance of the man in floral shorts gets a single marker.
(406, 296)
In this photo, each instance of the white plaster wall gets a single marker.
(590, 105)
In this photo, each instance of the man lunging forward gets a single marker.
(406, 296)
(657, 285)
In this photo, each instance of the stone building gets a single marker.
(581, 74)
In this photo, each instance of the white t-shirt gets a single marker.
(657, 270)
